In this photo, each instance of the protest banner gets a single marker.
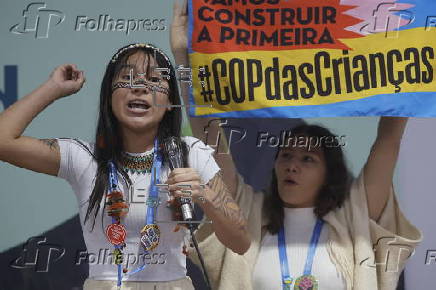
(310, 58)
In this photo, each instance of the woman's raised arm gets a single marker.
(40, 155)
(179, 41)
(379, 168)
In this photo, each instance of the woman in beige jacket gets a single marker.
(365, 240)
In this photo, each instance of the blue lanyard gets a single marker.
(154, 190)
(113, 182)
(286, 277)
(153, 194)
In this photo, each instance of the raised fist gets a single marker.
(67, 79)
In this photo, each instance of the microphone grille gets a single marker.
(173, 149)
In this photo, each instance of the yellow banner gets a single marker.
(241, 81)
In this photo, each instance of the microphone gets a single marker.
(173, 149)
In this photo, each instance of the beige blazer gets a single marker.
(357, 245)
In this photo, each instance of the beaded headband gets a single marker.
(144, 84)
(140, 45)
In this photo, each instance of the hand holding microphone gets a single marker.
(184, 183)
(193, 186)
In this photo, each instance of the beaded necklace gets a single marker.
(137, 164)
(118, 208)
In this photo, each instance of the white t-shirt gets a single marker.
(164, 263)
(299, 224)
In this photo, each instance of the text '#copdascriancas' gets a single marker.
(239, 80)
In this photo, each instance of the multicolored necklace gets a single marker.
(137, 164)
(118, 208)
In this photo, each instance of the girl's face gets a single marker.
(300, 175)
(134, 106)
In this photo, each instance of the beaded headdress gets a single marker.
(140, 45)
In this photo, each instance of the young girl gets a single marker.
(124, 213)
(312, 229)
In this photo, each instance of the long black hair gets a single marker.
(108, 140)
(331, 195)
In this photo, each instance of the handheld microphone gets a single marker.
(174, 152)
(173, 149)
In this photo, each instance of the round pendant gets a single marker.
(306, 282)
(287, 283)
(116, 234)
(150, 235)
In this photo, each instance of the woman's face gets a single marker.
(134, 107)
(300, 175)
